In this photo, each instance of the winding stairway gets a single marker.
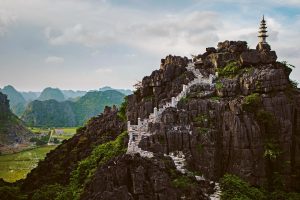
(140, 131)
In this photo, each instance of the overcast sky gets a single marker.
(87, 44)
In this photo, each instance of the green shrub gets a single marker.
(87, 167)
(182, 182)
(251, 102)
(229, 71)
(48, 192)
(9, 192)
(272, 150)
(184, 100)
(215, 98)
(233, 187)
(202, 130)
(294, 84)
(122, 110)
(201, 118)
(219, 85)
(287, 66)
(265, 117)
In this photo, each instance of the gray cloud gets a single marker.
(88, 34)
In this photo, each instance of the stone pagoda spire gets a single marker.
(262, 34)
(263, 31)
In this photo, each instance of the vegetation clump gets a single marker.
(182, 182)
(122, 110)
(230, 70)
(272, 151)
(251, 102)
(234, 188)
(219, 85)
(87, 167)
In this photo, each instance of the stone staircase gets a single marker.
(140, 131)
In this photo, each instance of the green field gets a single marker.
(16, 166)
(67, 132)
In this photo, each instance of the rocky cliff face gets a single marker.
(249, 126)
(133, 177)
(12, 130)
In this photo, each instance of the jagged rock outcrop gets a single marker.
(249, 127)
(159, 87)
(133, 177)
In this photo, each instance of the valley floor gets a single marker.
(16, 166)
(19, 160)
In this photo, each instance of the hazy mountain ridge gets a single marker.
(124, 91)
(52, 113)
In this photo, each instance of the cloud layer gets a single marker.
(76, 37)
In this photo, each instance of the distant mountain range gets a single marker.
(20, 100)
(53, 113)
(124, 91)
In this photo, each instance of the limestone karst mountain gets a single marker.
(51, 93)
(16, 100)
(229, 110)
(12, 130)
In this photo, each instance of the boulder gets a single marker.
(250, 57)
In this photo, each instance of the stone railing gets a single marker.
(136, 132)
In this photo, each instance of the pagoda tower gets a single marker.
(262, 34)
(263, 31)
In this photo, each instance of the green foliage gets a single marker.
(265, 117)
(184, 100)
(48, 192)
(233, 187)
(219, 85)
(182, 182)
(201, 118)
(294, 84)
(249, 70)
(87, 167)
(272, 150)
(9, 192)
(40, 140)
(202, 130)
(251, 102)
(288, 67)
(215, 98)
(122, 110)
(230, 70)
